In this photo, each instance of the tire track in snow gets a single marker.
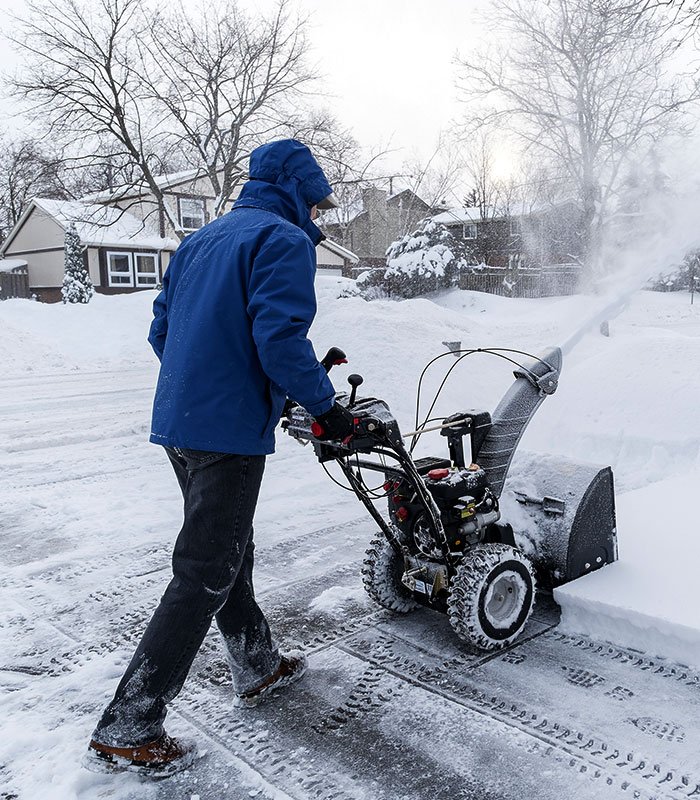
(614, 765)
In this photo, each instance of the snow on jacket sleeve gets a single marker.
(159, 326)
(282, 306)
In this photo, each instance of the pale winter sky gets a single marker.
(388, 64)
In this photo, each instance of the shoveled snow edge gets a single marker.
(624, 627)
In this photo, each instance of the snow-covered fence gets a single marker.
(14, 282)
(549, 281)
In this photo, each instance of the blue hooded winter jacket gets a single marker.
(231, 323)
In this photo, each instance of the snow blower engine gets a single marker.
(447, 542)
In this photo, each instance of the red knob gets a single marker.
(317, 429)
(438, 474)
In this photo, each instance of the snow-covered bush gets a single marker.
(77, 286)
(423, 261)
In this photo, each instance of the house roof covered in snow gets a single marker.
(339, 250)
(461, 215)
(97, 225)
(167, 181)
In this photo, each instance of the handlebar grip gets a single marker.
(332, 358)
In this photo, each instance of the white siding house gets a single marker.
(127, 241)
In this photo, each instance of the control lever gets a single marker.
(333, 358)
(354, 381)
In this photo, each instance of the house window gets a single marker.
(146, 269)
(132, 269)
(515, 227)
(119, 270)
(191, 213)
(469, 230)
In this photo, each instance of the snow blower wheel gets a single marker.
(382, 570)
(492, 595)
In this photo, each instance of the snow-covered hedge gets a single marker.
(423, 261)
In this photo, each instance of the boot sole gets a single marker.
(251, 702)
(109, 765)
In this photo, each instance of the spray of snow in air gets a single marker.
(676, 235)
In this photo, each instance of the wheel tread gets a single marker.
(381, 578)
(467, 582)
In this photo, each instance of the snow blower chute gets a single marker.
(467, 534)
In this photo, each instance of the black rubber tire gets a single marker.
(381, 575)
(482, 567)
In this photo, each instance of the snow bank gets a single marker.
(107, 333)
(648, 599)
(337, 598)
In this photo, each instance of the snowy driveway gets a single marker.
(392, 707)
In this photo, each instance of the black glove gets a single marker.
(337, 424)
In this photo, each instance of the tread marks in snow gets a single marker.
(585, 753)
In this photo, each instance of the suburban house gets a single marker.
(369, 229)
(522, 236)
(127, 242)
(526, 250)
(122, 253)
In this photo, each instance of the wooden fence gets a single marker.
(14, 283)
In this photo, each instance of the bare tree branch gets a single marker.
(587, 85)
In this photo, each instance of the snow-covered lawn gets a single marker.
(89, 509)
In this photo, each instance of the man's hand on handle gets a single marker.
(336, 424)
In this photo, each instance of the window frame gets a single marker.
(191, 199)
(119, 284)
(469, 226)
(133, 274)
(155, 274)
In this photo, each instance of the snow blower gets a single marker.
(447, 543)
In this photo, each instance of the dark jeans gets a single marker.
(212, 577)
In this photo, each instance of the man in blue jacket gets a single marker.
(230, 329)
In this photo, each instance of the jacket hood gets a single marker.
(286, 179)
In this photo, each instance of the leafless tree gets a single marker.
(683, 16)
(226, 82)
(26, 170)
(586, 86)
(349, 171)
(149, 89)
(436, 179)
(489, 198)
(83, 81)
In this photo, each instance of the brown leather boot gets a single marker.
(292, 667)
(160, 758)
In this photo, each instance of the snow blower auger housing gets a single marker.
(445, 544)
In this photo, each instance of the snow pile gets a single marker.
(337, 598)
(648, 599)
(108, 333)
